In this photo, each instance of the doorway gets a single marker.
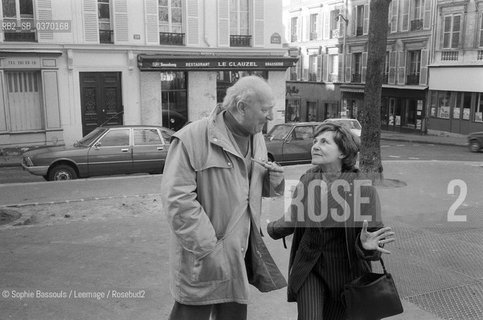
(101, 99)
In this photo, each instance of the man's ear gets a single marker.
(241, 107)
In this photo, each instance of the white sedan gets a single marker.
(352, 124)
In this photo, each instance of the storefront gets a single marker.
(402, 107)
(191, 86)
(456, 99)
(29, 98)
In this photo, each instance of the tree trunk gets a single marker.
(370, 114)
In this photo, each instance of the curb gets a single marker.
(10, 164)
(425, 141)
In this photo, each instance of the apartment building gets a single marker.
(67, 66)
(338, 63)
(456, 71)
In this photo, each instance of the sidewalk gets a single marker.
(11, 157)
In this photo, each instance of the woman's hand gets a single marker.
(377, 239)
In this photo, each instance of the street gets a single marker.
(90, 238)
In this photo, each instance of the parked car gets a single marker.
(475, 141)
(291, 142)
(105, 151)
(352, 124)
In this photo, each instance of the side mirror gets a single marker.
(97, 145)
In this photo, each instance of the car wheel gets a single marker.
(474, 146)
(62, 172)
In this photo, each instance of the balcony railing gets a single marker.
(20, 36)
(416, 25)
(313, 36)
(171, 38)
(359, 31)
(312, 76)
(334, 33)
(479, 55)
(293, 38)
(240, 40)
(106, 36)
(356, 77)
(412, 78)
(293, 75)
(449, 55)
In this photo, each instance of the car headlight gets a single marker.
(27, 161)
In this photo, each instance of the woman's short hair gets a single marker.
(347, 142)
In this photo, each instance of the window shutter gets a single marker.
(423, 75)
(319, 68)
(340, 72)
(401, 72)
(354, 20)
(365, 26)
(3, 120)
(394, 21)
(91, 24)
(364, 67)
(223, 23)
(51, 100)
(307, 28)
(348, 71)
(44, 13)
(404, 15)
(121, 32)
(325, 67)
(392, 67)
(192, 22)
(259, 15)
(326, 24)
(1, 39)
(320, 28)
(427, 15)
(151, 21)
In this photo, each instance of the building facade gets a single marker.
(456, 73)
(68, 66)
(432, 74)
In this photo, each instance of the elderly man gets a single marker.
(215, 176)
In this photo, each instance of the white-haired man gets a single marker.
(215, 176)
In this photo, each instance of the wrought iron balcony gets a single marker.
(479, 55)
(450, 55)
(293, 76)
(313, 36)
(412, 78)
(293, 38)
(416, 24)
(356, 77)
(106, 36)
(171, 38)
(20, 36)
(240, 40)
(359, 31)
(312, 76)
(333, 77)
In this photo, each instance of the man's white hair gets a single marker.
(248, 89)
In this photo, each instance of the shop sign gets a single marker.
(20, 62)
(164, 63)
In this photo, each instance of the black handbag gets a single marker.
(372, 296)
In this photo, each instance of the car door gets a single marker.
(149, 150)
(298, 144)
(111, 154)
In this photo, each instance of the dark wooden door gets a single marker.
(101, 99)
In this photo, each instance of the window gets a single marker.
(144, 137)
(313, 67)
(174, 99)
(481, 30)
(404, 7)
(414, 67)
(451, 31)
(334, 24)
(293, 29)
(170, 22)
(239, 24)
(356, 67)
(17, 13)
(360, 20)
(417, 15)
(303, 133)
(313, 26)
(104, 16)
(479, 109)
(115, 138)
(334, 68)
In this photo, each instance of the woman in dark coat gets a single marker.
(332, 244)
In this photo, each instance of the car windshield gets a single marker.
(279, 132)
(92, 136)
